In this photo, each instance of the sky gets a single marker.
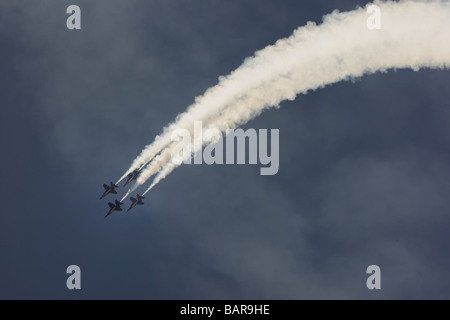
(363, 178)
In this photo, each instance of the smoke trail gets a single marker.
(217, 96)
(161, 175)
(413, 35)
(126, 195)
(154, 166)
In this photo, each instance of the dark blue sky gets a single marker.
(364, 166)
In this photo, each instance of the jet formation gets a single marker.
(111, 189)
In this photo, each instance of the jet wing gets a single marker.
(132, 199)
(105, 186)
(110, 205)
(113, 191)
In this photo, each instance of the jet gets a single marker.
(132, 176)
(114, 207)
(109, 189)
(135, 202)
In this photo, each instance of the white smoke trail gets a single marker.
(154, 166)
(126, 195)
(414, 34)
(217, 96)
(161, 175)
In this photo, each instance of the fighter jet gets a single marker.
(132, 176)
(109, 189)
(114, 207)
(135, 202)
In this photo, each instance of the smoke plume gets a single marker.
(413, 34)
